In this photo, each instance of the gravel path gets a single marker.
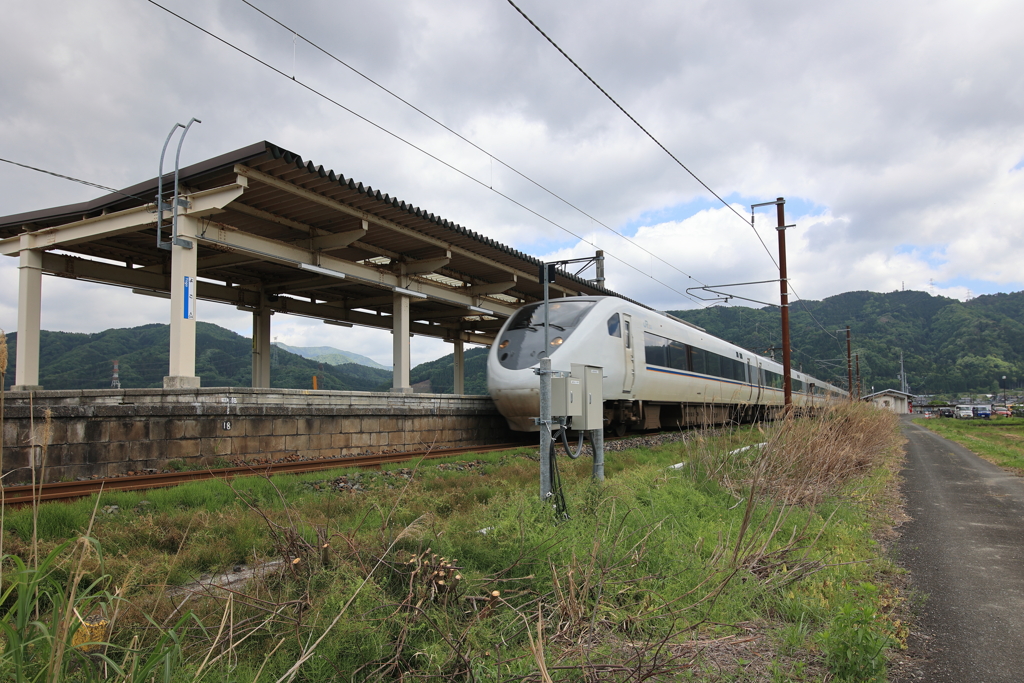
(965, 551)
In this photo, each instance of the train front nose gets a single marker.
(519, 406)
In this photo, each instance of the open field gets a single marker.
(694, 560)
(999, 440)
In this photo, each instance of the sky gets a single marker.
(893, 130)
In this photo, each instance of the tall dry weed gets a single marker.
(800, 460)
(806, 459)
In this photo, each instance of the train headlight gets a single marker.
(557, 341)
(503, 344)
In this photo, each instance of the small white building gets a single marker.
(891, 399)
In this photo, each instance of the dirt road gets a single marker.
(965, 550)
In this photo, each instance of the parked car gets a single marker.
(1000, 411)
(946, 411)
(964, 412)
(983, 412)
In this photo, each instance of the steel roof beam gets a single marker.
(78, 268)
(226, 237)
(203, 203)
(291, 188)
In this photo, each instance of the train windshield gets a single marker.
(523, 341)
(561, 315)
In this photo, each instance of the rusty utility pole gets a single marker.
(849, 363)
(787, 367)
(858, 376)
(787, 381)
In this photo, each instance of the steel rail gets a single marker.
(68, 490)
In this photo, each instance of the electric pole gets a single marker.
(858, 376)
(787, 380)
(849, 362)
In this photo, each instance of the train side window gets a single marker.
(697, 359)
(677, 356)
(656, 349)
(629, 337)
(733, 369)
(613, 326)
(713, 364)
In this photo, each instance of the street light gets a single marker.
(1004, 388)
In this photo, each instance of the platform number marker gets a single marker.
(190, 298)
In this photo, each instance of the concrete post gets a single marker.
(401, 354)
(261, 345)
(460, 368)
(182, 371)
(30, 294)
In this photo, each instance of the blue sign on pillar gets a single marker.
(190, 298)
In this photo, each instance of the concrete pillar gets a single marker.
(261, 351)
(30, 294)
(182, 374)
(460, 368)
(401, 356)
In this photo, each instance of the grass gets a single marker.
(999, 440)
(756, 564)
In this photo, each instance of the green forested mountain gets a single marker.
(329, 354)
(223, 359)
(948, 346)
(441, 373)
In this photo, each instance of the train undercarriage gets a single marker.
(623, 416)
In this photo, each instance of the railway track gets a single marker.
(69, 490)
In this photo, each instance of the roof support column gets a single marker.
(261, 345)
(182, 374)
(460, 368)
(401, 356)
(30, 294)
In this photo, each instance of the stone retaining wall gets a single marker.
(108, 432)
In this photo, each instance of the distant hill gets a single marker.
(949, 346)
(441, 373)
(329, 354)
(223, 359)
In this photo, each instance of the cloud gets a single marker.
(899, 124)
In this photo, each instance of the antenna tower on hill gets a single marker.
(115, 379)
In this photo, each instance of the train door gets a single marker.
(629, 366)
(759, 379)
(751, 380)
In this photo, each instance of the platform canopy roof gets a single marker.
(281, 232)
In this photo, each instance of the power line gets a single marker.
(808, 311)
(638, 125)
(76, 180)
(414, 146)
(465, 139)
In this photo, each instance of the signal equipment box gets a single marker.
(566, 396)
(580, 396)
(591, 415)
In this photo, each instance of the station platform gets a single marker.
(87, 433)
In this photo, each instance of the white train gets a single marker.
(658, 370)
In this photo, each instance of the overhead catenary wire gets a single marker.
(72, 179)
(646, 132)
(409, 143)
(474, 145)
